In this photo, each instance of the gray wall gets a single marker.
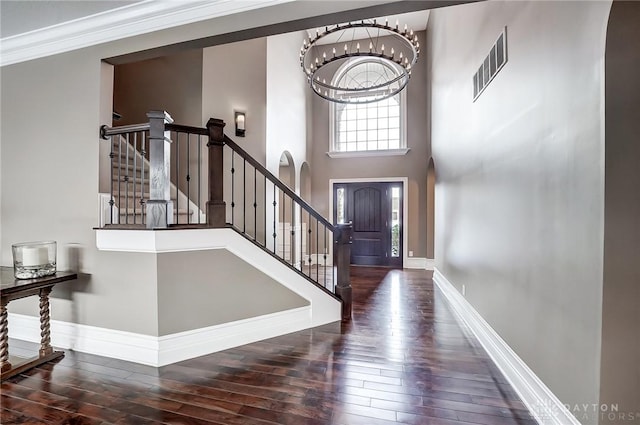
(413, 165)
(205, 288)
(620, 373)
(520, 179)
(233, 78)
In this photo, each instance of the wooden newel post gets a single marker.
(216, 207)
(343, 241)
(159, 207)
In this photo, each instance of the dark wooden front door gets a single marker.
(375, 209)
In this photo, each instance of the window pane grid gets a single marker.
(368, 126)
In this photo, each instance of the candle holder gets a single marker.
(34, 259)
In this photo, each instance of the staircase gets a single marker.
(130, 187)
(243, 197)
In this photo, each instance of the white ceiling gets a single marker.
(20, 16)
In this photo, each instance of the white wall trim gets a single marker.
(364, 154)
(164, 350)
(127, 21)
(431, 264)
(543, 404)
(405, 205)
(416, 263)
(324, 308)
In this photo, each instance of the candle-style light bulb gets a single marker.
(370, 46)
(358, 47)
(317, 33)
(411, 33)
(345, 49)
(324, 56)
(318, 60)
(382, 49)
(401, 56)
(386, 22)
(397, 23)
(324, 81)
(405, 28)
(334, 52)
(393, 52)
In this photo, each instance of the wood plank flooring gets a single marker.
(402, 359)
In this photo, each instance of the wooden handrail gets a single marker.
(179, 128)
(106, 131)
(278, 183)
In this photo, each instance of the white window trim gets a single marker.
(361, 154)
(404, 148)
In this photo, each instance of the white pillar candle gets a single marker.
(34, 256)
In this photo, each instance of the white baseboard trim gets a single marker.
(416, 263)
(431, 264)
(543, 404)
(164, 350)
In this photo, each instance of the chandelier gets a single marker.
(388, 52)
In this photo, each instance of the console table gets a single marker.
(13, 289)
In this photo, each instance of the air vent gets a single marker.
(493, 63)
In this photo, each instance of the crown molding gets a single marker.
(127, 21)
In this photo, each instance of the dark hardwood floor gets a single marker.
(402, 359)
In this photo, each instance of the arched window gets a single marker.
(373, 126)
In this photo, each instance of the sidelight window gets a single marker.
(395, 221)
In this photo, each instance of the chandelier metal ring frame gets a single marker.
(320, 69)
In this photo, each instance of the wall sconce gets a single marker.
(239, 118)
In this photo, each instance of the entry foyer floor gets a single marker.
(402, 359)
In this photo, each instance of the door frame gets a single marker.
(405, 204)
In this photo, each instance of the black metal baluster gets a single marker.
(233, 187)
(188, 178)
(317, 252)
(135, 163)
(199, 146)
(111, 199)
(142, 200)
(274, 219)
(244, 196)
(265, 211)
(284, 204)
(324, 256)
(119, 178)
(255, 203)
(177, 177)
(126, 179)
(293, 233)
(309, 243)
